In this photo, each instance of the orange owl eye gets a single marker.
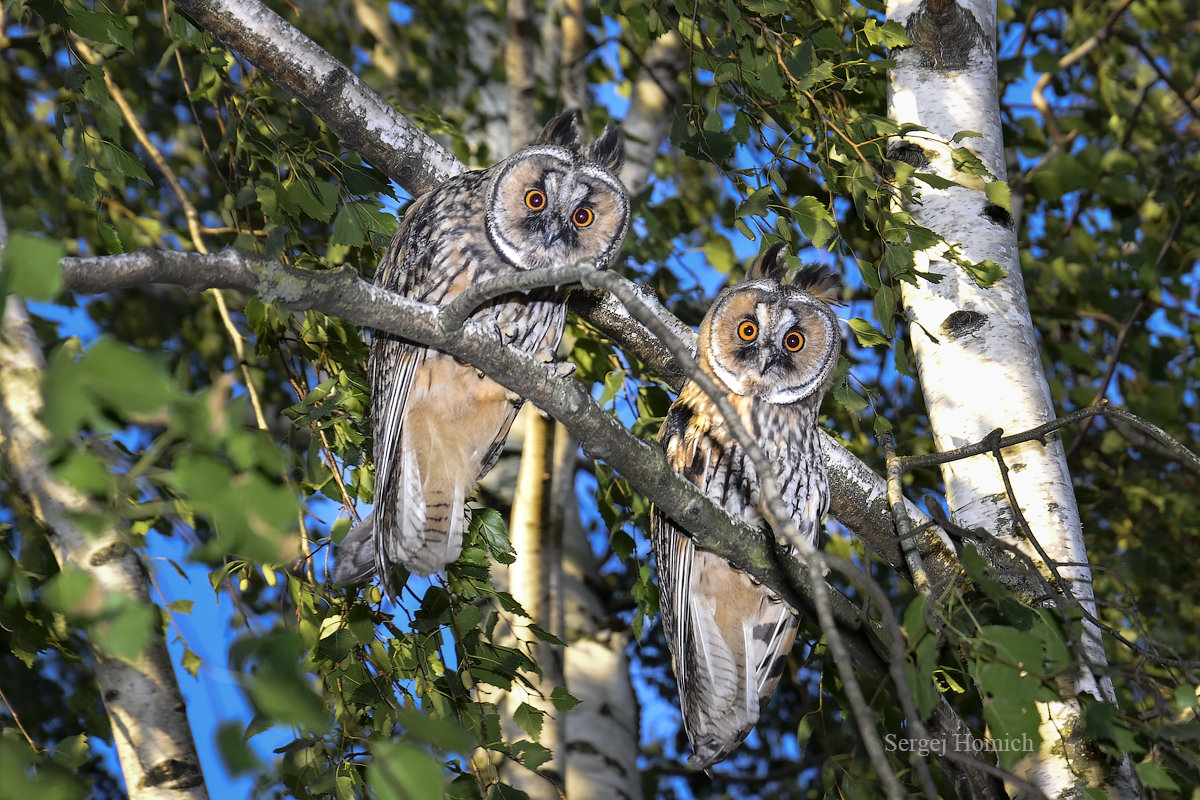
(535, 200)
(583, 216)
(793, 341)
(747, 331)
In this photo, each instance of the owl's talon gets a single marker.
(564, 369)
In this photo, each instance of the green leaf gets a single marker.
(869, 273)
(889, 34)
(851, 400)
(958, 137)
(529, 719)
(866, 334)
(613, 383)
(1102, 724)
(30, 267)
(998, 192)
(25, 773)
(815, 221)
(756, 204)
(1061, 175)
(914, 623)
(531, 754)
(445, 734)
(965, 160)
(124, 162)
(720, 253)
(885, 310)
(544, 635)
(488, 525)
(124, 380)
(934, 180)
(1154, 776)
(126, 627)
(85, 471)
(72, 752)
(347, 230)
(402, 771)
(985, 273)
(562, 699)
(100, 28)
(919, 675)
(190, 662)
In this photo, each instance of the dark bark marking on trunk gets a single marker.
(944, 33)
(908, 152)
(173, 774)
(999, 215)
(104, 555)
(962, 323)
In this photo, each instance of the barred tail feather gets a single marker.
(439, 540)
(740, 638)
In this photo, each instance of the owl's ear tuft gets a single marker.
(609, 150)
(771, 263)
(819, 280)
(563, 130)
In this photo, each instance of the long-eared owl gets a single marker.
(439, 425)
(771, 343)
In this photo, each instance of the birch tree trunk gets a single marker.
(141, 697)
(978, 358)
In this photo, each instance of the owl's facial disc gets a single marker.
(549, 208)
(777, 344)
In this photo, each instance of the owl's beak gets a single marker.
(768, 357)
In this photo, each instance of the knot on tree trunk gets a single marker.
(944, 33)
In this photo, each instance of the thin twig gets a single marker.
(1185, 456)
(190, 214)
(1123, 333)
(12, 712)
(1087, 46)
(904, 526)
(896, 663)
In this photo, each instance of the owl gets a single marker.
(439, 424)
(771, 343)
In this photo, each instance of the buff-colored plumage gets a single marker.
(729, 636)
(439, 425)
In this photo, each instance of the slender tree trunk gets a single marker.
(978, 358)
(655, 94)
(144, 706)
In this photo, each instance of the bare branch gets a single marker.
(1170, 444)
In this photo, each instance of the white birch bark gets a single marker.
(655, 93)
(978, 358)
(602, 742)
(141, 698)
